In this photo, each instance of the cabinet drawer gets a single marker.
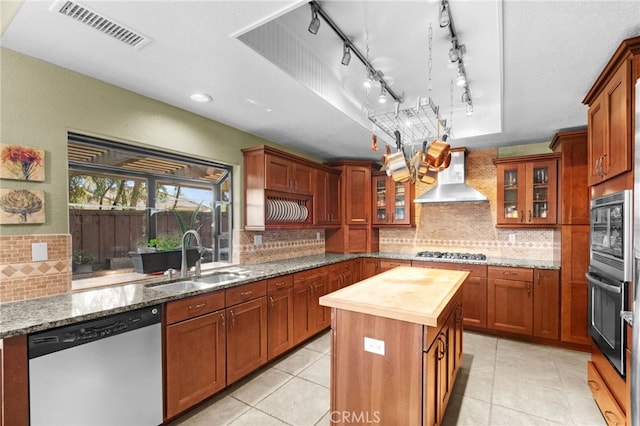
(386, 264)
(280, 283)
(191, 307)
(607, 404)
(302, 278)
(246, 292)
(474, 270)
(507, 273)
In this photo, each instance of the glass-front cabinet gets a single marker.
(527, 191)
(392, 202)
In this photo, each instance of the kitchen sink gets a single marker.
(200, 283)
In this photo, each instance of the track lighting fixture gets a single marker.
(454, 52)
(383, 95)
(370, 81)
(444, 14)
(346, 54)
(461, 80)
(315, 21)
(466, 97)
(469, 111)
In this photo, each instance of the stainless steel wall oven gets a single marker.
(610, 272)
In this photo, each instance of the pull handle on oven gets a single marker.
(612, 288)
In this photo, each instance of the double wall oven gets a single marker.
(610, 273)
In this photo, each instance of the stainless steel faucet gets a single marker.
(184, 270)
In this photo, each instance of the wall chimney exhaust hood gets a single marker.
(451, 187)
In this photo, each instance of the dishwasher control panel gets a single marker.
(56, 339)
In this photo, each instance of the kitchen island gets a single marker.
(396, 346)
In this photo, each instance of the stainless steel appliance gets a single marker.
(106, 371)
(610, 272)
(607, 298)
(611, 246)
(635, 315)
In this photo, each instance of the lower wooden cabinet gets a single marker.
(309, 317)
(474, 290)
(524, 301)
(246, 332)
(370, 267)
(193, 375)
(386, 264)
(341, 275)
(279, 315)
(612, 412)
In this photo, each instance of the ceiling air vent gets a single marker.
(101, 23)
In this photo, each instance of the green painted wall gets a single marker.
(528, 149)
(41, 102)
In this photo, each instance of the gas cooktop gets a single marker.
(450, 255)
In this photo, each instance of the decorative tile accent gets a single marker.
(278, 245)
(21, 278)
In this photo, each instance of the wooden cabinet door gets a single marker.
(474, 295)
(541, 192)
(510, 305)
(303, 179)
(358, 195)
(546, 303)
(301, 318)
(596, 122)
(430, 396)
(333, 199)
(279, 322)
(370, 267)
(617, 93)
(512, 194)
(278, 173)
(320, 205)
(574, 287)
(195, 361)
(320, 316)
(381, 199)
(246, 338)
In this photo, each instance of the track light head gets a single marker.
(444, 14)
(469, 111)
(383, 95)
(461, 80)
(314, 25)
(346, 54)
(466, 97)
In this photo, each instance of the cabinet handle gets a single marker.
(594, 385)
(529, 215)
(509, 273)
(198, 306)
(602, 165)
(246, 293)
(281, 284)
(271, 300)
(521, 216)
(528, 289)
(223, 320)
(233, 318)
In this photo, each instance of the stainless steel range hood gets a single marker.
(451, 187)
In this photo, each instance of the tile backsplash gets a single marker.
(21, 278)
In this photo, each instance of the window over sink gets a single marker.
(124, 198)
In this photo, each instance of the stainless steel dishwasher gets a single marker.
(106, 371)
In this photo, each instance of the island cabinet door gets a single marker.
(380, 381)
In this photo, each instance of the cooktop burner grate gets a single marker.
(451, 255)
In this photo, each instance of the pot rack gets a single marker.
(415, 124)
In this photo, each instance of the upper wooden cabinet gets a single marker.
(610, 114)
(327, 198)
(287, 174)
(392, 202)
(573, 191)
(527, 191)
(356, 233)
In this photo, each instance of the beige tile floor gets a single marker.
(501, 382)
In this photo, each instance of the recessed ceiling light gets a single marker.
(201, 97)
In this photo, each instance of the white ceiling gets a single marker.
(529, 63)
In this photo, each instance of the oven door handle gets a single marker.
(598, 283)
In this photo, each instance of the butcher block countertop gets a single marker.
(405, 293)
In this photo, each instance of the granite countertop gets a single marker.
(39, 314)
(417, 295)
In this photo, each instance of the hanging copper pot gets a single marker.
(437, 153)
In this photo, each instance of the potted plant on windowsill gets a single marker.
(82, 261)
(167, 255)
